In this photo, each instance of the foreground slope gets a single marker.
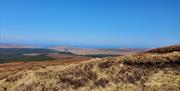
(138, 72)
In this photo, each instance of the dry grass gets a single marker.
(143, 72)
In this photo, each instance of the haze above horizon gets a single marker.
(92, 23)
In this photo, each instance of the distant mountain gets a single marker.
(90, 51)
(3, 45)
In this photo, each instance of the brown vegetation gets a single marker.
(131, 72)
(137, 72)
(13, 67)
(165, 49)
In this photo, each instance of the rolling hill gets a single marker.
(165, 49)
(95, 51)
(147, 71)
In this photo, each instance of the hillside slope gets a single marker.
(165, 49)
(159, 72)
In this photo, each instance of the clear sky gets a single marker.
(91, 23)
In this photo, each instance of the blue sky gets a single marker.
(91, 23)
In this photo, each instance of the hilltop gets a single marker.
(146, 71)
(165, 49)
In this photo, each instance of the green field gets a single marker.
(17, 54)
